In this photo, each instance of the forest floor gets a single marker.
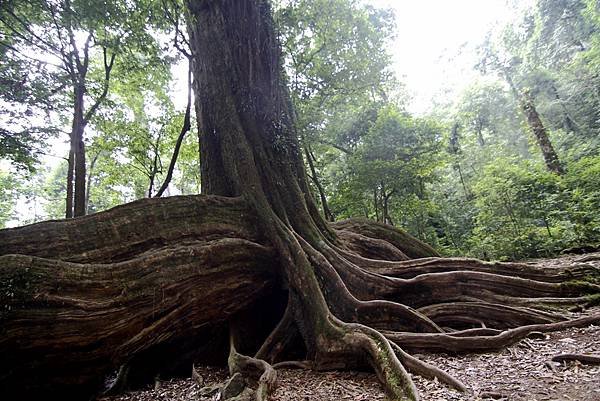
(522, 372)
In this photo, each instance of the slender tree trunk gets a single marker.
(536, 126)
(385, 198)
(462, 181)
(156, 166)
(376, 204)
(568, 123)
(386, 219)
(184, 130)
(539, 131)
(79, 69)
(80, 177)
(386, 211)
(480, 138)
(75, 203)
(70, 176)
(89, 182)
(315, 178)
(456, 152)
(79, 153)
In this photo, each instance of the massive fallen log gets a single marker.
(149, 273)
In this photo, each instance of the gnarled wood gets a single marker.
(69, 323)
(129, 230)
(97, 292)
(409, 245)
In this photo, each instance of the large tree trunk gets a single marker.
(119, 287)
(92, 293)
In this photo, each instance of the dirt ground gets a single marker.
(522, 372)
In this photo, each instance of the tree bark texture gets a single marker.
(81, 297)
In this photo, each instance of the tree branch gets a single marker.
(336, 146)
(184, 130)
(108, 65)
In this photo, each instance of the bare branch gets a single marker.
(108, 65)
(184, 130)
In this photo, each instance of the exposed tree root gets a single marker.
(368, 345)
(129, 230)
(588, 258)
(120, 383)
(426, 370)
(455, 286)
(89, 318)
(293, 365)
(486, 314)
(412, 268)
(208, 270)
(281, 337)
(374, 313)
(372, 248)
(588, 359)
(256, 372)
(463, 342)
(410, 246)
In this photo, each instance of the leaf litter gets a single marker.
(522, 372)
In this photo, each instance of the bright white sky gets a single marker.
(429, 52)
(430, 35)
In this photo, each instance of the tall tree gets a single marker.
(174, 12)
(30, 88)
(541, 135)
(179, 266)
(504, 59)
(82, 40)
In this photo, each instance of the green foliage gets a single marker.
(492, 198)
(391, 166)
(517, 204)
(51, 47)
(524, 211)
(9, 188)
(335, 59)
(53, 189)
(583, 182)
(56, 46)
